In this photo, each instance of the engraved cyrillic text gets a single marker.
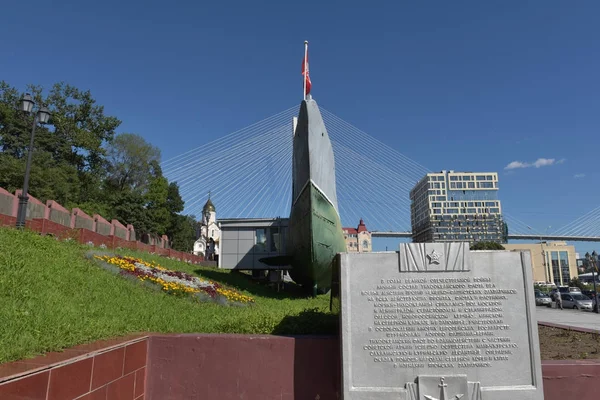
(438, 322)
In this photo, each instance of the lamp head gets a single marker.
(43, 115)
(27, 103)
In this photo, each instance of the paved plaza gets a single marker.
(575, 318)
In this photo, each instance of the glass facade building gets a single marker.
(561, 270)
(565, 274)
(552, 262)
(555, 268)
(457, 206)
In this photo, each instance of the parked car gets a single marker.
(591, 295)
(576, 301)
(568, 289)
(542, 299)
(564, 289)
(588, 293)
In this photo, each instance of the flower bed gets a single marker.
(174, 282)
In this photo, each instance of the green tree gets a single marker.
(156, 198)
(543, 289)
(129, 207)
(486, 246)
(80, 126)
(49, 178)
(79, 162)
(92, 207)
(14, 124)
(130, 162)
(134, 174)
(575, 282)
(175, 203)
(182, 230)
(68, 158)
(183, 233)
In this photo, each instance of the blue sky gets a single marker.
(453, 85)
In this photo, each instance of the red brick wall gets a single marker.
(143, 247)
(118, 230)
(49, 227)
(571, 379)
(7, 220)
(86, 236)
(34, 224)
(292, 368)
(159, 250)
(118, 242)
(116, 372)
(44, 225)
(228, 367)
(173, 367)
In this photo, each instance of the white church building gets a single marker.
(207, 244)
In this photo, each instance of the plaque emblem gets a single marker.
(443, 394)
(434, 258)
(429, 257)
(432, 387)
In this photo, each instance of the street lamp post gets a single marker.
(42, 116)
(592, 260)
(546, 274)
(544, 263)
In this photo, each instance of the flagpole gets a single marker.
(305, 70)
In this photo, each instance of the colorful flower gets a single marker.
(173, 282)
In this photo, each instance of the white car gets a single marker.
(542, 299)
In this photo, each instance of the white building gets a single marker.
(210, 233)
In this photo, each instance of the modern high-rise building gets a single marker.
(453, 206)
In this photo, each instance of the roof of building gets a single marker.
(361, 228)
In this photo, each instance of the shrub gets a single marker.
(486, 246)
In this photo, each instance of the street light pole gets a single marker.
(595, 258)
(544, 264)
(592, 260)
(41, 116)
(546, 274)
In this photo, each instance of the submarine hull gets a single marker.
(315, 229)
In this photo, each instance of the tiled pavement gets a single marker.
(578, 319)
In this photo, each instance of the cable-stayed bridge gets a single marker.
(517, 236)
(248, 173)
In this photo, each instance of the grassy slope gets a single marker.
(52, 297)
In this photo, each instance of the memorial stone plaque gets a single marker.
(437, 321)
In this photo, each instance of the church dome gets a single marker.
(209, 206)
